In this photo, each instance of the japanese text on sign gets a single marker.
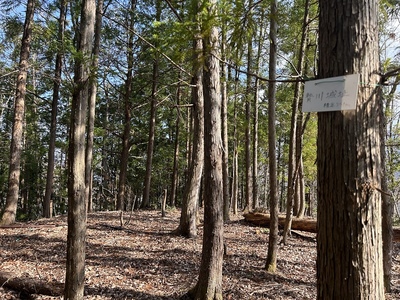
(331, 94)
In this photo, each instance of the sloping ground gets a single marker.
(143, 260)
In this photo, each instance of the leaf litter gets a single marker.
(143, 260)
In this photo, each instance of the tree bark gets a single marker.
(92, 108)
(248, 163)
(293, 168)
(47, 212)
(123, 165)
(75, 264)
(349, 244)
(10, 209)
(209, 285)
(224, 122)
(255, 192)
(174, 181)
(191, 198)
(235, 159)
(152, 122)
(272, 254)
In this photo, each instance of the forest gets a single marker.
(173, 123)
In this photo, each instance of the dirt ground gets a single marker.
(143, 260)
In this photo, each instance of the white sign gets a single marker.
(331, 94)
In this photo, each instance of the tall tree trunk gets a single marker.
(123, 165)
(255, 146)
(387, 200)
(261, 38)
(47, 212)
(174, 181)
(152, 122)
(92, 108)
(293, 163)
(224, 122)
(249, 88)
(188, 221)
(76, 238)
(387, 220)
(10, 210)
(301, 190)
(273, 230)
(209, 285)
(235, 164)
(349, 244)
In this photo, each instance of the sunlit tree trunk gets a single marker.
(92, 108)
(10, 210)
(76, 238)
(224, 122)
(209, 285)
(191, 198)
(349, 244)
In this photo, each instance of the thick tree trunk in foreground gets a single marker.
(209, 285)
(76, 239)
(10, 209)
(349, 243)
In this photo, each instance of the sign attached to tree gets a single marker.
(331, 94)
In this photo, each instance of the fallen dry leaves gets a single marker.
(143, 260)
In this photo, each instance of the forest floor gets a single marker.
(143, 260)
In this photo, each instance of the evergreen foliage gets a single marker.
(169, 39)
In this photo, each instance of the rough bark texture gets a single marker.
(272, 254)
(349, 262)
(191, 197)
(10, 209)
(92, 107)
(75, 265)
(224, 117)
(209, 285)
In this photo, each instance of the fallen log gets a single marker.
(263, 219)
(301, 224)
(29, 285)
